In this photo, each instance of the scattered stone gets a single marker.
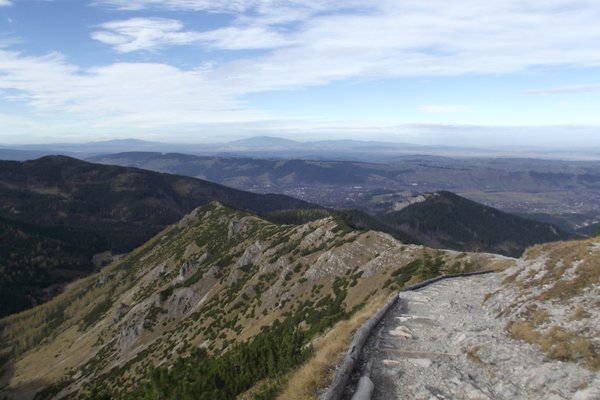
(420, 362)
(402, 331)
(462, 351)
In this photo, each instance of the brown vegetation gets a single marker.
(557, 342)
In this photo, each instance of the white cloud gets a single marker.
(143, 34)
(391, 39)
(244, 38)
(137, 34)
(228, 6)
(444, 109)
(193, 5)
(340, 40)
(122, 95)
(4, 3)
(565, 89)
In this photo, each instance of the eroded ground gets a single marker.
(445, 342)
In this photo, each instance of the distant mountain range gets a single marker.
(266, 146)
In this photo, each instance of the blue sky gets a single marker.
(464, 72)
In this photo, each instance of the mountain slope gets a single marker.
(75, 209)
(550, 299)
(245, 172)
(444, 219)
(238, 298)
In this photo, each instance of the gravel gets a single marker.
(444, 342)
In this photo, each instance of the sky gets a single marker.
(462, 72)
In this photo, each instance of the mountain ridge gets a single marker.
(444, 219)
(213, 281)
(92, 208)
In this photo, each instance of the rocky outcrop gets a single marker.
(121, 310)
(188, 268)
(237, 226)
(181, 301)
(131, 331)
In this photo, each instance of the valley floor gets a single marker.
(445, 342)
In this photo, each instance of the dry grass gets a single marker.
(558, 343)
(511, 278)
(473, 356)
(523, 330)
(559, 257)
(570, 268)
(569, 346)
(586, 274)
(489, 295)
(579, 314)
(537, 315)
(329, 350)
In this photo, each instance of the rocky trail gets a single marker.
(444, 342)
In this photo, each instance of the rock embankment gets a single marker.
(444, 342)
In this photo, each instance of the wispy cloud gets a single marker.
(565, 89)
(122, 94)
(444, 109)
(384, 39)
(136, 34)
(227, 6)
(193, 5)
(4, 3)
(343, 40)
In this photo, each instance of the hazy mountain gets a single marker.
(220, 302)
(259, 146)
(262, 143)
(20, 155)
(57, 212)
(274, 147)
(89, 148)
(446, 220)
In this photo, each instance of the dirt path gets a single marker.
(440, 342)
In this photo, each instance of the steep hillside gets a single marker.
(446, 220)
(219, 302)
(33, 265)
(551, 298)
(58, 212)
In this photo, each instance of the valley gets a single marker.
(564, 192)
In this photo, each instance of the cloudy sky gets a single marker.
(465, 72)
